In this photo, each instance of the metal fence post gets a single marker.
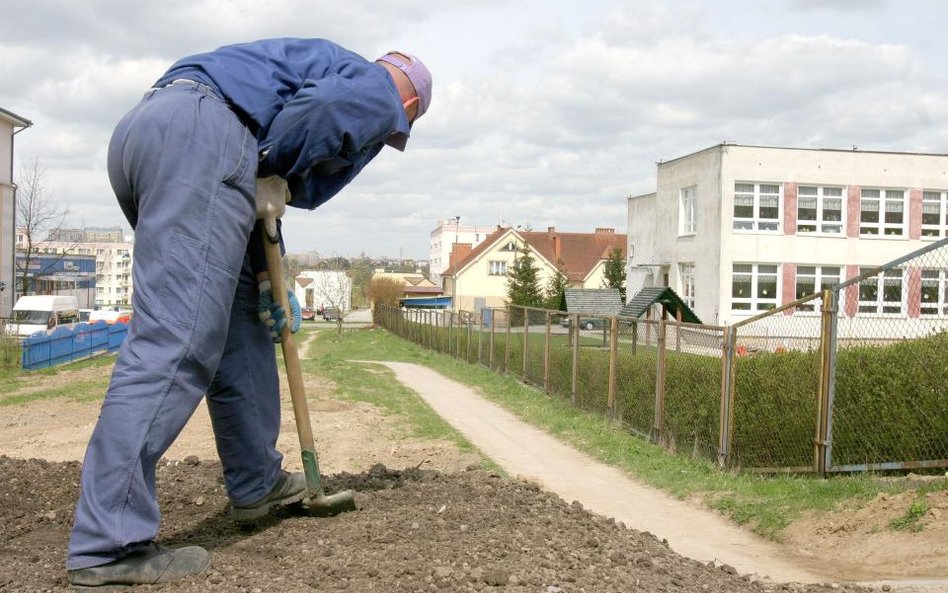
(480, 335)
(827, 372)
(727, 397)
(613, 363)
(467, 350)
(526, 334)
(493, 325)
(659, 422)
(507, 342)
(546, 355)
(574, 336)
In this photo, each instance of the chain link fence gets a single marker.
(851, 378)
(887, 382)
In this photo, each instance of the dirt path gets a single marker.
(532, 454)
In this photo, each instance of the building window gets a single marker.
(882, 212)
(686, 275)
(934, 293)
(934, 214)
(754, 287)
(757, 207)
(686, 211)
(511, 246)
(497, 268)
(820, 210)
(811, 279)
(881, 293)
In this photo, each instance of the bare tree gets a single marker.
(38, 215)
(333, 289)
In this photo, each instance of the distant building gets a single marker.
(416, 285)
(477, 276)
(736, 230)
(324, 288)
(10, 125)
(444, 236)
(113, 267)
(51, 273)
(88, 235)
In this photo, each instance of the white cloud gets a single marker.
(542, 112)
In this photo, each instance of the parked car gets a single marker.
(585, 322)
(332, 314)
(590, 323)
(35, 313)
(308, 313)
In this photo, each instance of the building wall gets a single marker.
(7, 218)
(447, 233)
(328, 288)
(716, 245)
(474, 287)
(114, 285)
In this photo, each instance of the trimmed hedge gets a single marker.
(891, 402)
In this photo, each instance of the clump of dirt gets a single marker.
(415, 530)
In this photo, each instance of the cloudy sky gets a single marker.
(545, 112)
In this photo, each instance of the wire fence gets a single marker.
(852, 378)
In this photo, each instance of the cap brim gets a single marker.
(397, 141)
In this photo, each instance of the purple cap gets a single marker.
(420, 78)
(417, 73)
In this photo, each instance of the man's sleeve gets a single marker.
(329, 124)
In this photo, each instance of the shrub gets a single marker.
(9, 352)
(384, 291)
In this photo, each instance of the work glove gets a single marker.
(271, 197)
(273, 315)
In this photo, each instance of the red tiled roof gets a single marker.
(483, 246)
(579, 252)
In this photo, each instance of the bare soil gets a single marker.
(430, 518)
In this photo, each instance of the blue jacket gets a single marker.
(319, 112)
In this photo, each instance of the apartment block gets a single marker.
(737, 230)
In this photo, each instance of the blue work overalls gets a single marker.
(183, 167)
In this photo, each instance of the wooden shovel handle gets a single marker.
(291, 357)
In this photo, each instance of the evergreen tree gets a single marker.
(523, 281)
(615, 272)
(555, 287)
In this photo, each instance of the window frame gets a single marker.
(879, 303)
(688, 211)
(686, 282)
(940, 304)
(820, 222)
(821, 280)
(941, 227)
(754, 301)
(492, 263)
(881, 226)
(755, 220)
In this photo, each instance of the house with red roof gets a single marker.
(476, 277)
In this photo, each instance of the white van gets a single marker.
(43, 312)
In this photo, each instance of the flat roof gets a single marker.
(852, 149)
(18, 122)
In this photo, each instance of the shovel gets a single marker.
(317, 502)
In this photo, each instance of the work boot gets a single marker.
(290, 488)
(150, 564)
